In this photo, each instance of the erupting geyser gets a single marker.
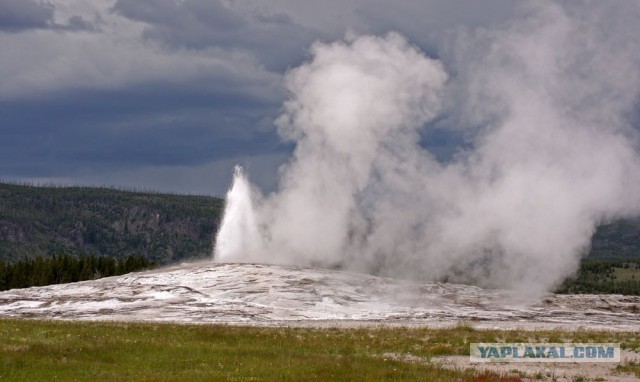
(238, 230)
(550, 151)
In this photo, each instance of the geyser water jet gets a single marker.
(549, 153)
(238, 231)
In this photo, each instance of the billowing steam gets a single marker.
(544, 104)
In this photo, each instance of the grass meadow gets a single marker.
(32, 350)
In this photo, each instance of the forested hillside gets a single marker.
(619, 240)
(163, 228)
(47, 221)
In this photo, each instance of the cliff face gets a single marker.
(163, 228)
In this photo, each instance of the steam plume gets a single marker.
(543, 103)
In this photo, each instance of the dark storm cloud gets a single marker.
(21, 15)
(182, 82)
(155, 124)
(18, 15)
(76, 113)
(428, 23)
(210, 15)
(77, 24)
(200, 97)
(275, 38)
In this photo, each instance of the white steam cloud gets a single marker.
(545, 105)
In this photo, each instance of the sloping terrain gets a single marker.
(618, 240)
(282, 295)
(164, 228)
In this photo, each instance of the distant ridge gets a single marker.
(164, 228)
(112, 187)
(619, 240)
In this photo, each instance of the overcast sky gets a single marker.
(170, 94)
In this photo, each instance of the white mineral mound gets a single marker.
(282, 295)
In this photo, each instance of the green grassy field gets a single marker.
(627, 274)
(53, 350)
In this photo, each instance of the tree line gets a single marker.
(599, 277)
(164, 228)
(65, 268)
